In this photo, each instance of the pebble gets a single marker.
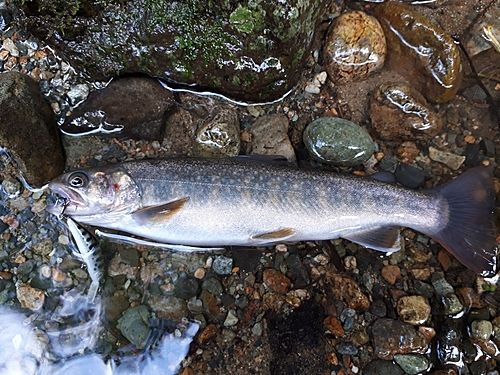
(257, 329)
(208, 333)
(270, 137)
(168, 307)
(212, 285)
(231, 319)
(10, 46)
(452, 305)
(345, 348)
(186, 287)
(346, 289)
(333, 325)
(338, 141)
(354, 47)
(410, 176)
(29, 297)
(414, 309)
(412, 364)
(449, 159)
(381, 367)
(450, 342)
(222, 265)
(391, 274)
(481, 329)
(314, 87)
(199, 273)
(276, 281)
(134, 326)
(78, 93)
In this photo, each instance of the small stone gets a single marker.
(381, 367)
(10, 46)
(270, 137)
(208, 333)
(231, 319)
(452, 161)
(354, 47)
(414, 309)
(346, 289)
(391, 274)
(134, 325)
(168, 307)
(333, 325)
(452, 305)
(441, 286)
(412, 364)
(481, 329)
(345, 348)
(78, 93)
(276, 281)
(337, 141)
(58, 276)
(29, 297)
(222, 265)
(199, 273)
(186, 287)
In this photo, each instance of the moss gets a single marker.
(247, 21)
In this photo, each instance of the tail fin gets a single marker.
(470, 231)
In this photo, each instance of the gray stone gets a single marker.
(452, 305)
(270, 137)
(218, 135)
(412, 364)
(134, 325)
(222, 265)
(452, 161)
(231, 319)
(213, 286)
(481, 329)
(337, 141)
(186, 287)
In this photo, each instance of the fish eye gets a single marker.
(78, 179)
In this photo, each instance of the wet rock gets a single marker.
(333, 325)
(481, 329)
(354, 47)
(134, 325)
(337, 141)
(496, 328)
(208, 333)
(28, 128)
(452, 161)
(186, 287)
(218, 135)
(180, 128)
(381, 367)
(413, 309)
(213, 286)
(452, 305)
(5, 17)
(270, 137)
(399, 112)
(345, 348)
(115, 107)
(449, 342)
(346, 289)
(231, 319)
(168, 307)
(410, 176)
(276, 281)
(222, 265)
(297, 272)
(211, 307)
(391, 274)
(420, 50)
(392, 337)
(412, 364)
(253, 52)
(29, 297)
(78, 93)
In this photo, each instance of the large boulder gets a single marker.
(247, 50)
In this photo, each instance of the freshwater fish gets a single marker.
(231, 202)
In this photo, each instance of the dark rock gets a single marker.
(222, 265)
(212, 285)
(392, 337)
(338, 141)
(378, 308)
(410, 176)
(134, 325)
(270, 137)
(399, 112)
(472, 155)
(28, 128)
(168, 307)
(116, 106)
(186, 287)
(5, 17)
(449, 342)
(3, 226)
(180, 129)
(354, 47)
(296, 271)
(381, 367)
(345, 348)
(250, 52)
(437, 73)
(211, 307)
(412, 364)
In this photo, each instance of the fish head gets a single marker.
(92, 192)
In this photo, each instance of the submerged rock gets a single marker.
(251, 51)
(412, 364)
(134, 325)
(354, 47)
(28, 128)
(399, 112)
(421, 51)
(337, 141)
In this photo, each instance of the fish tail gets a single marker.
(470, 230)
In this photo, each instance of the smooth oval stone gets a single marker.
(355, 46)
(412, 364)
(421, 51)
(337, 141)
(399, 112)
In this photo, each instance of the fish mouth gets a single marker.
(64, 197)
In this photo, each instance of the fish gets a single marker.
(240, 202)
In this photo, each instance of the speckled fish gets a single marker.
(198, 203)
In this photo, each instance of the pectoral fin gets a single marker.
(385, 239)
(276, 235)
(160, 213)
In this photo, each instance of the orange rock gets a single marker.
(276, 281)
(391, 274)
(333, 325)
(207, 334)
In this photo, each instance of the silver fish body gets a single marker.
(223, 202)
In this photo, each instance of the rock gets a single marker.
(134, 325)
(257, 329)
(78, 93)
(391, 274)
(29, 297)
(413, 309)
(276, 281)
(115, 107)
(449, 342)
(399, 112)
(218, 135)
(186, 287)
(410, 176)
(420, 50)
(452, 161)
(270, 137)
(231, 319)
(481, 329)
(212, 285)
(338, 141)
(496, 328)
(381, 367)
(208, 333)
(412, 364)
(392, 337)
(168, 307)
(222, 265)
(354, 47)
(5, 17)
(452, 305)
(333, 325)
(28, 128)
(180, 128)
(9, 45)
(346, 289)
(211, 307)
(249, 52)
(345, 348)
(199, 273)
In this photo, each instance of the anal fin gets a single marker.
(276, 235)
(386, 239)
(159, 213)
